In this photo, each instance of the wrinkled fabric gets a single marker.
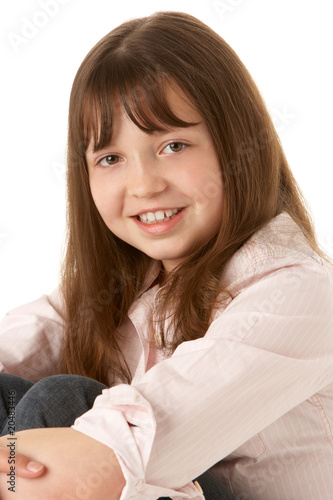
(252, 399)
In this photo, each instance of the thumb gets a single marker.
(19, 464)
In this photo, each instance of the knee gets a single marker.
(59, 381)
(66, 388)
(56, 401)
(10, 383)
(57, 384)
(10, 379)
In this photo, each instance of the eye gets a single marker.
(174, 147)
(108, 161)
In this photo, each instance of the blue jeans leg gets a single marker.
(52, 402)
(12, 389)
(212, 488)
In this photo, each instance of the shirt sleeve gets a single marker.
(31, 338)
(269, 351)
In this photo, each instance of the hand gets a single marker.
(76, 466)
(24, 466)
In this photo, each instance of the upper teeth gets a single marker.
(159, 215)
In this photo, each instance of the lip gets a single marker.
(159, 227)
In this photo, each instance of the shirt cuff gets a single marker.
(123, 419)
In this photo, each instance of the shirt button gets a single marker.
(136, 398)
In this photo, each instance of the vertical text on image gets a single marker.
(11, 476)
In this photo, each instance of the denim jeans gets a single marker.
(56, 402)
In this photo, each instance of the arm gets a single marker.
(30, 342)
(268, 352)
(31, 337)
(24, 466)
(76, 466)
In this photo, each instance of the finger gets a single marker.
(22, 465)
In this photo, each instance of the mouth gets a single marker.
(159, 215)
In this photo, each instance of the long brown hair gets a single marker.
(103, 275)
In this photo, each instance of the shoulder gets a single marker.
(279, 246)
(276, 281)
(280, 303)
(49, 306)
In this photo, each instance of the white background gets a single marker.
(287, 45)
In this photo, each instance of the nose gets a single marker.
(145, 179)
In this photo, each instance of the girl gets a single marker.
(194, 317)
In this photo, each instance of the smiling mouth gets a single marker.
(159, 216)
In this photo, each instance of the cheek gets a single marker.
(213, 194)
(105, 199)
(207, 188)
(96, 195)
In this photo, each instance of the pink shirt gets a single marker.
(252, 399)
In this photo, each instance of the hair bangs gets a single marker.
(147, 106)
(97, 114)
(141, 96)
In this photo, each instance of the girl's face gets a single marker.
(161, 193)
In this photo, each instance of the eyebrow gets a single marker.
(166, 130)
(154, 132)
